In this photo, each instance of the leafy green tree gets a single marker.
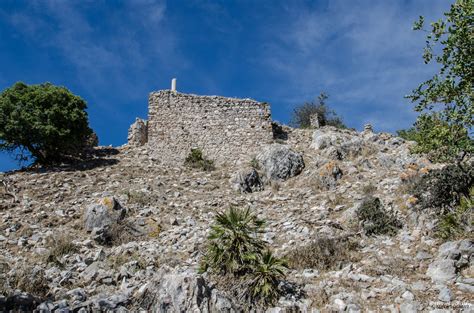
(48, 121)
(439, 140)
(450, 92)
(301, 117)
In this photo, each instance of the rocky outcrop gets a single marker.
(279, 162)
(452, 257)
(338, 145)
(247, 181)
(329, 174)
(165, 213)
(138, 133)
(104, 213)
(182, 290)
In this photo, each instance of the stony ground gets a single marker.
(49, 259)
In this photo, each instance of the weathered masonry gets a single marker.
(225, 129)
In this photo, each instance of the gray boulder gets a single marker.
(329, 174)
(322, 139)
(337, 144)
(247, 181)
(452, 257)
(279, 162)
(102, 214)
(442, 271)
(182, 290)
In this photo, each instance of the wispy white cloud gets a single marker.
(362, 52)
(103, 51)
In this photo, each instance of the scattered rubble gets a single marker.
(163, 216)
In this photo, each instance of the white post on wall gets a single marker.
(173, 84)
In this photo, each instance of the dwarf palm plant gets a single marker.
(264, 278)
(233, 244)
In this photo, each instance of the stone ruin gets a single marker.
(138, 133)
(225, 129)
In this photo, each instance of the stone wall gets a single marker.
(225, 129)
(138, 133)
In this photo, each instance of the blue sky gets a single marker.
(113, 53)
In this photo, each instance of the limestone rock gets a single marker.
(329, 175)
(314, 120)
(368, 128)
(182, 290)
(102, 214)
(452, 257)
(138, 133)
(338, 144)
(20, 302)
(247, 181)
(279, 162)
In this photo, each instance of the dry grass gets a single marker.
(275, 185)
(120, 233)
(368, 150)
(369, 189)
(394, 266)
(324, 254)
(335, 199)
(29, 279)
(139, 197)
(154, 229)
(59, 246)
(115, 262)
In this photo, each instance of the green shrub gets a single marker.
(233, 242)
(236, 254)
(439, 140)
(449, 93)
(264, 278)
(302, 114)
(375, 220)
(323, 254)
(460, 222)
(47, 121)
(443, 188)
(254, 163)
(195, 159)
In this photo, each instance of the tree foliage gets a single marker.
(442, 189)
(439, 140)
(301, 117)
(48, 121)
(450, 92)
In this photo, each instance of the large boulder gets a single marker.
(105, 213)
(452, 257)
(138, 133)
(182, 290)
(338, 144)
(279, 162)
(328, 175)
(247, 181)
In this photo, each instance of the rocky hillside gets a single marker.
(122, 232)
